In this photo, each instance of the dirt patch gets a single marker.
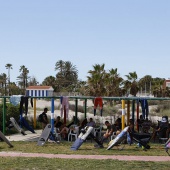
(99, 157)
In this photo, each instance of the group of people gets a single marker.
(64, 129)
(115, 128)
(162, 129)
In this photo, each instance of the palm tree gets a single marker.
(70, 72)
(113, 83)
(96, 80)
(157, 86)
(3, 84)
(131, 83)
(60, 66)
(23, 77)
(9, 67)
(67, 77)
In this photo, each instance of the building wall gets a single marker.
(166, 84)
(39, 93)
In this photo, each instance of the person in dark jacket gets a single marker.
(44, 118)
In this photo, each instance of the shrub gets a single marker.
(11, 111)
(153, 102)
(79, 109)
(163, 106)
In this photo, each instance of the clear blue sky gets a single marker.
(131, 35)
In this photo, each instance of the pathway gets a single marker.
(99, 157)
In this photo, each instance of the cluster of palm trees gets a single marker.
(66, 78)
(99, 82)
(109, 83)
(23, 80)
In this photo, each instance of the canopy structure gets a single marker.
(124, 100)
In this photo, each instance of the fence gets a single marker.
(122, 99)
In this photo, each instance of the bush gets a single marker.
(153, 102)
(163, 106)
(110, 111)
(11, 111)
(79, 109)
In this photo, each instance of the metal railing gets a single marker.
(85, 98)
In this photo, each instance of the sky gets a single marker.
(130, 35)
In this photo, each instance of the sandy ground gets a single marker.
(41, 104)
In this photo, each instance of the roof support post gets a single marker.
(123, 114)
(4, 115)
(52, 114)
(76, 109)
(35, 112)
(85, 108)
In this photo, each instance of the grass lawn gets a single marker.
(86, 149)
(18, 163)
(81, 164)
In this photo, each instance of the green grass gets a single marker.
(86, 149)
(72, 164)
(20, 163)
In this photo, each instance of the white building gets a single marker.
(39, 91)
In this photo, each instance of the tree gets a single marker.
(146, 83)
(131, 83)
(14, 89)
(49, 81)
(33, 81)
(157, 86)
(3, 84)
(102, 83)
(23, 78)
(60, 66)
(70, 74)
(67, 76)
(113, 83)
(9, 67)
(96, 81)
(80, 87)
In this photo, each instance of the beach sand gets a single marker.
(41, 104)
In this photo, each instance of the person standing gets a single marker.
(44, 118)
